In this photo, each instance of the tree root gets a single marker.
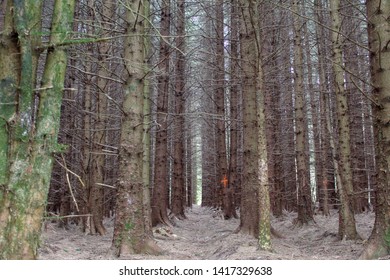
(375, 249)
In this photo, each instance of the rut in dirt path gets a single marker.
(206, 235)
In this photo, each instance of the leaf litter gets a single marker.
(205, 235)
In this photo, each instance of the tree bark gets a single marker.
(356, 103)
(347, 226)
(255, 201)
(178, 178)
(130, 232)
(325, 146)
(379, 42)
(233, 179)
(223, 198)
(147, 162)
(23, 192)
(305, 212)
(159, 195)
(97, 158)
(249, 215)
(209, 158)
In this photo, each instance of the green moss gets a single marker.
(264, 240)
(60, 148)
(35, 241)
(7, 110)
(129, 226)
(387, 239)
(30, 162)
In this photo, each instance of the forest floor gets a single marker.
(204, 235)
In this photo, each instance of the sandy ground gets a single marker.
(204, 235)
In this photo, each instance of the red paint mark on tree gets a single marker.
(224, 181)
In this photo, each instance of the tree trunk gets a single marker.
(354, 63)
(255, 203)
(130, 232)
(8, 93)
(379, 41)
(209, 157)
(264, 233)
(324, 181)
(305, 210)
(178, 179)
(288, 125)
(159, 196)
(147, 163)
(223, 198)
(310, 109)
(189, 197)
(272, 40)
(23, 192)
(99, 137)
(249, 216)
(347, 226)
(233, 181)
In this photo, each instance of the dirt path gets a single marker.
(205, 235)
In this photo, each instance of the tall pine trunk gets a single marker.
(131, 233)
(160, 188)
(305, 211)
(99, 135)
(220, 95)
(347, 226)
(233, 180)
(255, 203)
(178, 179)
(324, 181)
(249, 193)
(379, 41)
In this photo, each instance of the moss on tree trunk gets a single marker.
(31, 145)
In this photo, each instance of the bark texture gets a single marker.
(131, 233)
(379, 40)
(347, 225)
(30, 142)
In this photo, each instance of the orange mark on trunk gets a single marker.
(224, 181)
